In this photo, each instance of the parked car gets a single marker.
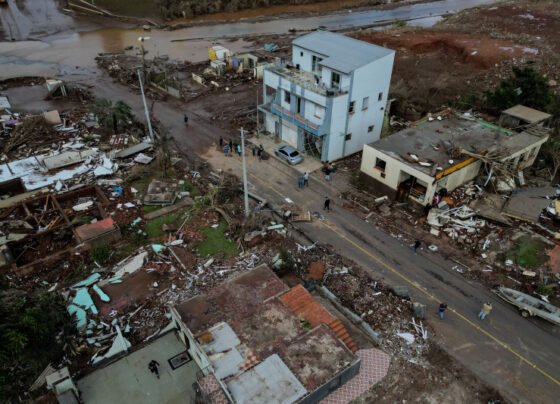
(288, 153)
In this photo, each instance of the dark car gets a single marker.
(288, 153)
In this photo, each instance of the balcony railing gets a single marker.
(307, 80)
(295, 118)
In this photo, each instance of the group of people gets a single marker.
(484, 311)
(233, 147)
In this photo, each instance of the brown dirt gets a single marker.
(469, 53)
(442, 381)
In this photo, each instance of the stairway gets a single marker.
(340, 331)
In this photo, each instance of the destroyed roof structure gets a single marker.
(257, 341)
(447, 152)
(521, 115)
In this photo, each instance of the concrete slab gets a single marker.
(130, 380)
(527, 204)
(309, 163)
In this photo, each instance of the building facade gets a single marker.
(331, 99)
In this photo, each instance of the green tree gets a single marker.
(112, 115)
(526, 86)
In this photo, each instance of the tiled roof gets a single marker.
(300, 301)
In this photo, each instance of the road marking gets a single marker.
(458, 314)
(431, 296)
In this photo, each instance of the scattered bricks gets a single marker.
(316, 271)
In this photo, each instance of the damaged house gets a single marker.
(447, 152)
(331, 99)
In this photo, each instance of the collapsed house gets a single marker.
(256, 343)
(437, 155)
(250, 340)
(331, 99)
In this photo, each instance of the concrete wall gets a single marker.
(336, 122)
(321, 392)
(394, 169)
(195, 351)
(526, 157)
(368, 81)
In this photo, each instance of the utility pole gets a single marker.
(257, 108)
(245, 190)
(145, 105)
(141, 40)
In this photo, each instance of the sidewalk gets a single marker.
(309, 163)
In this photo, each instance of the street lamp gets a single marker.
(142, 39)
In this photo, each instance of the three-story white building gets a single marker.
(331, 99)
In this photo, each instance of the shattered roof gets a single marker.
(251, 306)
(432, 142)
(527, 114)
(528, 203)
(343, 54)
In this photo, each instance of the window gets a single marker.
(380, 164)
(301, 54)
(365, 103)
(315, 63)
(335, 80)
(298, 105)
(318, 111)
(287, 97)
(348, 136)
(370, 128)
(380, 97)
(351, 107)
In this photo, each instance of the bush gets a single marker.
(101, 254)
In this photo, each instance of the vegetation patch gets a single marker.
(215, 242)
(528, 252)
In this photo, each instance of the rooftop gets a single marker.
(527, 114)
(343, 54)
(129, 378)
(433, 146)
(253, 324)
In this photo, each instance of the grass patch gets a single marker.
(151, 208)
(188, 187)
(153, 227)
(528, 252)
(216, 242)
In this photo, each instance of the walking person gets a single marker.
(154, 367)
(300, 181)
(231, 144)
(441, 310)
(254, 150)
(327, 204)
(306, 179)
(261, 152)
(221, 142)
(238, 147)
(185, 118)
(485, 310)
(226, 150)
(416, 245)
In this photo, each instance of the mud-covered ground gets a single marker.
(470, 52)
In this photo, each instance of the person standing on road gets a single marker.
(485, 310)
(441, 310)
(306, 179)
(154, 367)
(328, 174)
(238, 147)
(416, 245)
(226, 150)
(231, 144)
(327, 204)
(254, 150)
(300, 181)
(221, 142)
(185, 118)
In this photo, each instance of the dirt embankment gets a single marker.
(233, 9)
(468, 53)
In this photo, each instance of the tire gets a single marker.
(524, 313)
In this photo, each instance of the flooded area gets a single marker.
(63, 52)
